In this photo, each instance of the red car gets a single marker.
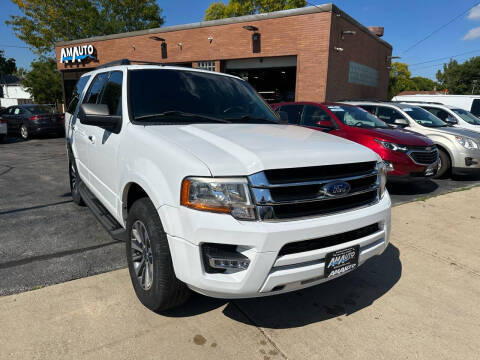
(406, 153)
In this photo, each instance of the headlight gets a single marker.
(220, 195)
(467, 143)
(381, 178)
(392, 146)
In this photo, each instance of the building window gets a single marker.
(206, 65)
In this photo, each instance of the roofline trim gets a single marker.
(240, 19)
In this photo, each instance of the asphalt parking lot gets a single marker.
(46, 239)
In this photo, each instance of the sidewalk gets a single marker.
(420, 299)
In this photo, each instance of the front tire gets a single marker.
(149, 260)
(444, 165)
(75, 183)
(2, 138)
(24, 133)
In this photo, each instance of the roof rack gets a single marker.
(418, 102)
(369, 100)
(127, 62)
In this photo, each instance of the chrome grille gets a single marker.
(286, 194)
(423, 155)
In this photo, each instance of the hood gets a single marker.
(397, 136)
(244, 149)
(458, 131)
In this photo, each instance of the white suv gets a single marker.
(211, 193)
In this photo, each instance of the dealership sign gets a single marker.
(77, 53)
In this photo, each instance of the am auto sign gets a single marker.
(77, 53)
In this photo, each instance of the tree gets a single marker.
(221, 10)
(459, 78)
(7, 66)
(400, 80)
(43, 81)
(45, 22)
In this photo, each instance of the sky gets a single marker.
(406, 22)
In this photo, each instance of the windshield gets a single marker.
(176, 96)
(423, 117)
(40, 109)
(358, 117)
(467, 116)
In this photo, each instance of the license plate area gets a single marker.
(341, 261)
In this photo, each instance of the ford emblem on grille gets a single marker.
(336, 188)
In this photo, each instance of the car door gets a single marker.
(104, 144)
(82, 133)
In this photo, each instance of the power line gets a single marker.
(440, 28)
(14, 46)
(442, 58)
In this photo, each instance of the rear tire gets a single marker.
(2, 138)
(75, 182)
(444, 165)
(149, 260)
(24, 133)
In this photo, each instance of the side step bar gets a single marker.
(115, 230)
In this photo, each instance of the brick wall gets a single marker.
(306, 36)
(361, 48)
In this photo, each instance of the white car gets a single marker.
(458, 149)
(211, 193)
(470, 103)
(453, 115)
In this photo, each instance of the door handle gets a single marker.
(91, 139)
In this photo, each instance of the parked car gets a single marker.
(32, 119)
(211, 193)
(452, 115)
(458, 148)
(470, 103)
(407, 155)
(3, 128)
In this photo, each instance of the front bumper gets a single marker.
(261, 243)
(466, 162)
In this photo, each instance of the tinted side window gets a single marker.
(441, 114)
(10, 110)
(370, 108)
(95, 89)
(112, 94)
(77, 92)
(313, 114)
(475, 107)
(294, 113)
(388, 115)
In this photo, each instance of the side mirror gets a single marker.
(98, 115)
(450, 120)
(401, 122)
(325, 124)
(283, 117)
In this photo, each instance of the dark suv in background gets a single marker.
(32, 119)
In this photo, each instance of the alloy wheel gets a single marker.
(141, 252)
(24, 132)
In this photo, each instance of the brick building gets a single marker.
(316, 53)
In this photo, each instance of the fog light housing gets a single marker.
(218, 258)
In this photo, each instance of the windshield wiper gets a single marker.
(183, 115)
